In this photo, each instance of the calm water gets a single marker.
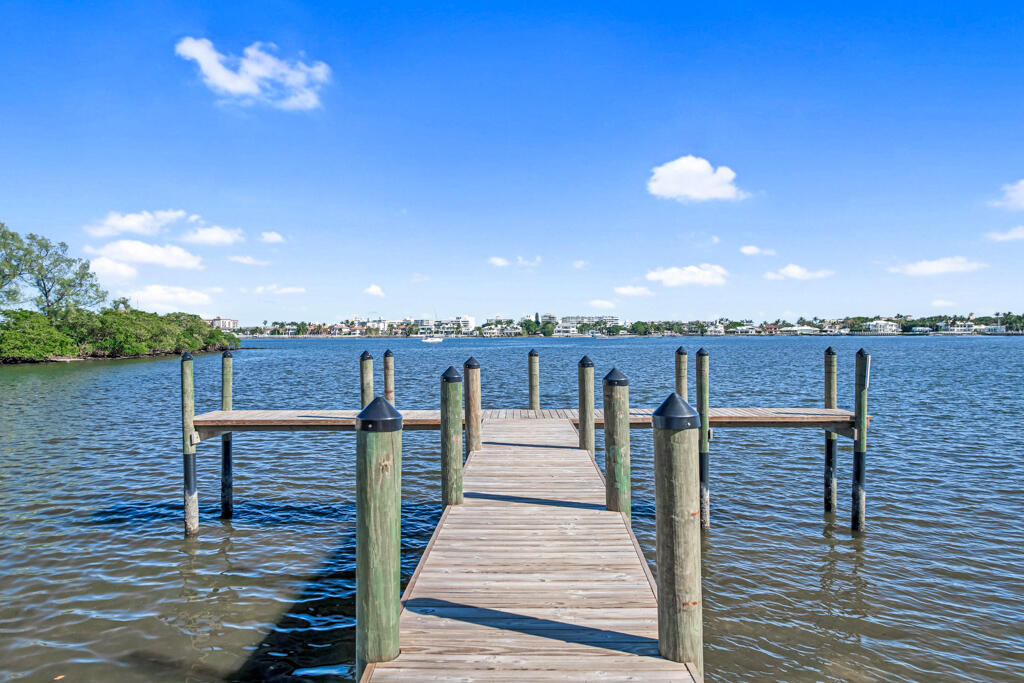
(97, 583)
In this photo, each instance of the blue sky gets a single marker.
(394, 155)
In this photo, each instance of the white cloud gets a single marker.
(134, 251)
(418, 277)
(1013, 197)
(751, 250)
(168, 298)
(601, 303)
(374, 290)
(1010, 235)
(715, 239)
(520, 261)
(141, 223)
(942, 266)
(704, 275)
(693, 179)
(271, 237)
(633, 290)
(274, 289)
(109, 270)
(943, 303)
(213, 235)
(498, 261)
(248, 261)
(579, 265)
(257, 76)
(795, 272)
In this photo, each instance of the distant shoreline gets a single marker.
(264, 337)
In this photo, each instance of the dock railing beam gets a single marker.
(451, 437)
(474, 411)
(831, 401)
(389, 376)
(534, 367)
(365, 379)
(677, 534)
(703, 402)
(585, 383)
(227, 502)
(615, 392)
(681, 379)
(188, 446)
(860, 442)
(378, 532)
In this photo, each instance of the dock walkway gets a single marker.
(531, 578)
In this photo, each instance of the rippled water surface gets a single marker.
(98, 584)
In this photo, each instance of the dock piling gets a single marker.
(451, 437)
(681, 362)
(474, 411)
(585, 382)
(365, 379)
(227, 502)
(389, 376)
(831, 401)
(860, 442)
(378, 532)
(188, 446)
(615, 391)
(534, 365)
(677, 534)
(703, 409)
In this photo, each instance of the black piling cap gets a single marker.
(226, 354)
(388, 354)
(471, 363)
(366, 356)
(451, 375)
(379, 416)
(675, 413)
(186, 356)
(680, 351)
(585, 362)
(702, 352)
(830, 351)
(616, 378)
(862, 353)
(533, 352)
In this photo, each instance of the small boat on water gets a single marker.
(432, 339)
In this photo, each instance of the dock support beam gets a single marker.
(534, 364)
(474, 412)
(860, 442)
(451, 437)
(681, 361)
(378, 532)
(703, 401)
(676, 465)
(188, 446)
(831, 401)
(389, 377)
(585, 383)
(365, 379)
(227, 500)
(615, 390)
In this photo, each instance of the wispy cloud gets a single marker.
(601, 303)
(374, 290)
(1013, 197)
(498, 261)
(633, 290)
(418, 277)
(579, 265)
(524, 263)
(274, 289)
(271, 237)
(213, 235)
(168, 298)
(943, 303)
(942, 266)
(257, 76)
(751, 250)
(693, 179)
(134, 251)
(706, 274)
(140, 223)
(110, 271)
(248, 261)
(1010, 235)
(795, 272)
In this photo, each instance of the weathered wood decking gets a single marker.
(531, 579)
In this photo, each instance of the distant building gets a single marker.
(883, 327)
(921, 330)
(565, 330)
(993, 329)
(716, 330)
(226, 324)
(744, 330)
(549, 318)
(794, 330)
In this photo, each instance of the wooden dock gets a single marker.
(530, 579)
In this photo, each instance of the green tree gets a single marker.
(60, 281)
(27, 335)
(640, 327)
(12, 262)
(547, 329)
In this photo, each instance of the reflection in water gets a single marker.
(98, 582)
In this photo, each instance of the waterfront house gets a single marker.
(883, 327)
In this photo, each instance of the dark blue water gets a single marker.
(98, 584)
